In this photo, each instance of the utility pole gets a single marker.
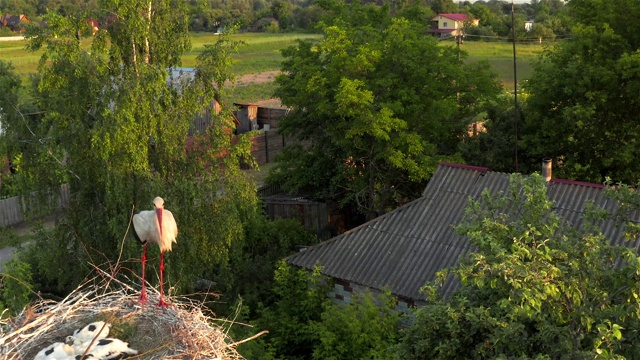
(515, 82)
(459, 42)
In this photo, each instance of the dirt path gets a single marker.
(26, 228)
(258, 78)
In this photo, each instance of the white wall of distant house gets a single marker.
(508, 1)
(11, 38)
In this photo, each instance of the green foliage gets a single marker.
(377, 105)
(250, 272)
(582, 109)
(273, 27)
(444, 6)
(536, 287)
(16, 118)
(16, 288)
(291, 320)
(366, 328)
(10, 85)
(493, 145)
(115, 126)
(255, 349)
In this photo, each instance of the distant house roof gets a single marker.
(263, 22)
(403, 249)
(4, 19)
(95, 25)
(456, 17)
(15, 20)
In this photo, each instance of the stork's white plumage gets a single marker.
(158, 226)
(55, 351)
(103, 349)
(95, 330)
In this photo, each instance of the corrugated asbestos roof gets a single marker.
(403, 249)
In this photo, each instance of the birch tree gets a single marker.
(116, 114)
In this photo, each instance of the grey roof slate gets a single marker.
(403, 249)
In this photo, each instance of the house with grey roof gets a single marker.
(15, 22)
(404, 249)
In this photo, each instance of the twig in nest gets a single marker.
(249, 338)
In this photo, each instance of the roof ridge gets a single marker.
(464, 166)
(359, 227)
(576, 182)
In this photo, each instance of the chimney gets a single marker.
(546, 169)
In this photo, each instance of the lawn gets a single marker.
(500, 57)
(262, 53)
(24, 61)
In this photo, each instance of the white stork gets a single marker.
(160, 227)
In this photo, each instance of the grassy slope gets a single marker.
(500, 56)
(25, 62)
(262, 53)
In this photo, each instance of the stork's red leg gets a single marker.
(143, 293)
(163, 304)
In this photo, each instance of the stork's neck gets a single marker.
(159, 216)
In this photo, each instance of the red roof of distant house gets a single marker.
(456, 17)
(93, 22)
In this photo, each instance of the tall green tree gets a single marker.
(582, 109)
(444, 6)
(537, 287)
(375, 105)
(10, 109)
(494, 143)
(281, 10)
(117, 117)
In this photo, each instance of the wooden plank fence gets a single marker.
(13, 210)
(266, 145)
(314, 216)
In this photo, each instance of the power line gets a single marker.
(509, 39)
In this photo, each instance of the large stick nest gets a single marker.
(186, 330)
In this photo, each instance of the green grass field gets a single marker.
(262, 53)
(500, 57)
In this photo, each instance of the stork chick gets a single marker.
(95, 330)
(55, 351)
(103, 349)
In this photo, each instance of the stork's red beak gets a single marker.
(159, 215)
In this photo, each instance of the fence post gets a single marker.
(266, 145)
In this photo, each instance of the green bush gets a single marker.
(292, 319)
(16, 286)
(366, 328)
